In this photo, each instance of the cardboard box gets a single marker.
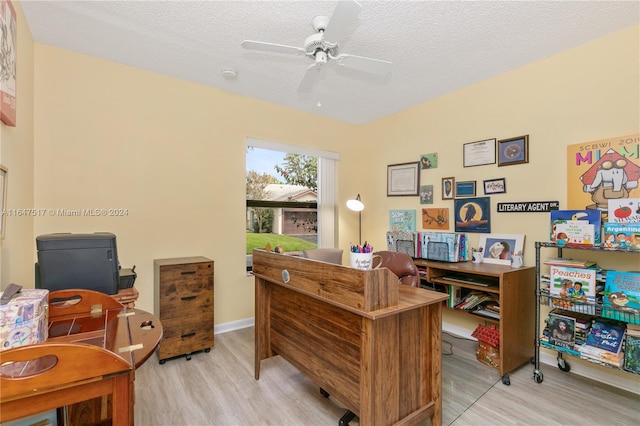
(24, 320)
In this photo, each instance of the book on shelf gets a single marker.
(621, 235)
(574, 233)
(621, 298)
(455, 295)
(590, 216)
(442, 246)
(601, 356)
(606, 335)
(625, 210)
(577, 285)
(632, 353)
(571, 263)
(561, 330)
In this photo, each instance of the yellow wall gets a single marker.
(96, 134)
(16, 153)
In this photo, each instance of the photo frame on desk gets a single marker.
(499, 248)
(403, 179)
(513, 151)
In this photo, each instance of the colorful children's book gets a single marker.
(607, 335)
(632, 353)
(561, 330)
(621, 299)
(574, 232)
(625, 210)
(577, 285)
(591, 216)
(618, 235)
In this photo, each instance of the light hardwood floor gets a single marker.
(218, 388)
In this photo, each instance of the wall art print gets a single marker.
(473, 214)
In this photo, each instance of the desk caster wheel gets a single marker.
(207, 350)
(538, 377)
(188, 356)
(162, 361)
(506, 380)
(324, 393)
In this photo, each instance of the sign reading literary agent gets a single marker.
(528, 207)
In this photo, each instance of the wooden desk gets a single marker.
(370, 343)
(93, 349)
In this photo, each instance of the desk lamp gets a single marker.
(357, 206)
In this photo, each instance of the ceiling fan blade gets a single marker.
(310, 77)
(360, 63)
(272, 47)
(344, 15)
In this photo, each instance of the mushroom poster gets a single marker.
(603, 172)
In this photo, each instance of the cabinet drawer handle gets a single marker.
(188, 297)
(184, 336)
(188, 272)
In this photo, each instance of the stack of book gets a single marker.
(578, 228)
(573, 288)
(472, 300)
(604, 343)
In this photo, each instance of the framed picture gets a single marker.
(435, 218)
(495, 186)
(3, 198)
(448, 188)
(472, 214)
(426, 194)
(403, 179)
(479, 153)
(499, 248)
(513, 151)
(466, 189)
(429, 161)
(8, 58)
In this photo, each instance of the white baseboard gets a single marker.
(632, 384)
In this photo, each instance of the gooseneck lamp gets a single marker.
(357, 206)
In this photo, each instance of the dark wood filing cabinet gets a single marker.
(184, 303)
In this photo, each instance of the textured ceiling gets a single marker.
(436, 46)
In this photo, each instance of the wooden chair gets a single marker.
(44, 376)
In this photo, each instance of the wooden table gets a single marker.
(94, 346)
(368, 342)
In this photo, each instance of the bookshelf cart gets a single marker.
(514, 289)
(543, 298)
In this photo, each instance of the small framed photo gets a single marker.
(479, 153)
(466, 189)
(513, 151)
(495, 186)
(448, 188)
(403, 179)
(499, 248)
(3, 198)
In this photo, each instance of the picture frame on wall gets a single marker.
(479, 153)
(448, 188)
(403, 179)
(513, 151)
(8, 57)
(499, 248)
(466, 189)
(495, 186)
(472, 214)
(3, 198)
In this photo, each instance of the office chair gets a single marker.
(401, 264)
(329, 255)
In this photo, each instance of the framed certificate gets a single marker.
(479, 153)
(403, 179)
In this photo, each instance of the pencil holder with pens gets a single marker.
(362, 261)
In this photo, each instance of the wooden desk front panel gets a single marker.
(385, 369)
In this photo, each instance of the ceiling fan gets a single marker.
(324, 46)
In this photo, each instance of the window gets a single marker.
(292, 206)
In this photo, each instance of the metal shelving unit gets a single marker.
(544, 298)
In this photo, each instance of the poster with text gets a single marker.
(402, 220)
(603, 170)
